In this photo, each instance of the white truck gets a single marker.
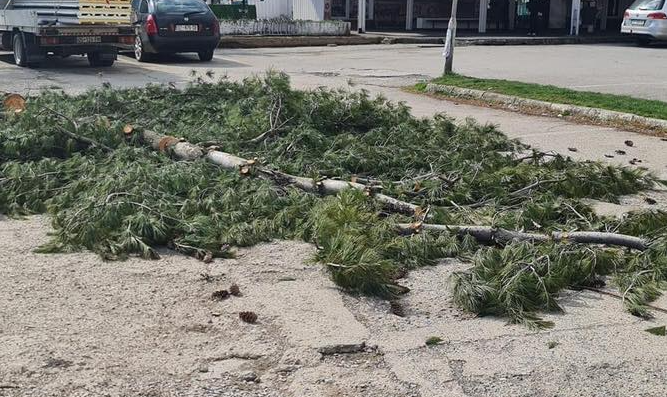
(37, 28)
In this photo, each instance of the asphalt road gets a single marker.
(619, 69)
(385, 69)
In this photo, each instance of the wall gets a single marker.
(284, 27)
(309, 10)
(558, 14)
(268, 9)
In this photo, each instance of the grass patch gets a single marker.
(549, 93)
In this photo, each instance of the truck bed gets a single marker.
(29, 21)
(24, 19)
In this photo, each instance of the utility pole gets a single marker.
(449, 40)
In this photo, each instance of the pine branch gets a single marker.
(618, 296)
(491, 235)
(88, 141)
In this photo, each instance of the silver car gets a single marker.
(646, 20)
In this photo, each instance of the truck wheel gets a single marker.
(96, 60)
(20, 53)
(26, 51)
(205, 56)
(139, 52)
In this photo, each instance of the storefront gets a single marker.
(483, 15)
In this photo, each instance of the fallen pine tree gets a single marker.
(484, 234)
(75, 158)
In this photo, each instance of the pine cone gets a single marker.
(235, 290)
(396, 308)
(248, 317)
(400, 273)
(220, 295)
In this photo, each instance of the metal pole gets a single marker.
(449, 39)
(361, 16)
(575, 17)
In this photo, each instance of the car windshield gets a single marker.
(180, 6)
(648, 5)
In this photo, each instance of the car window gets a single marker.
(648, 5)
(143, 8)
(180, 6)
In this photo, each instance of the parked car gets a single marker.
(646, 20)
(171, 26)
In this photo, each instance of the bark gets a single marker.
(188, 151)
(174, 146)
(489, 234)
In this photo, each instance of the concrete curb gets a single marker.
(496, 41)
(243, 41)
(294, 41)
(595, 114)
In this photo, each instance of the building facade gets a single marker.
(482, 15)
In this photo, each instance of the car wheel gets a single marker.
(205, 56)
(95, 60)
(139, 52)
(20, 53)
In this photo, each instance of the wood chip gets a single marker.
(14, 103)
(342, 349)
(167, 142)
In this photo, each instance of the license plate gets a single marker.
(88, 39)
(637, 22)
(187, 28)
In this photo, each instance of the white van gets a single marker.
(646, 20)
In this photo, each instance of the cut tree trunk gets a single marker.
(187, 151)
(489, 234)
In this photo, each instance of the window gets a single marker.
(181, 6)
(647, 5)
(144, 7)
